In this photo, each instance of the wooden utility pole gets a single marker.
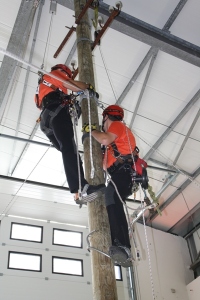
(103, 276)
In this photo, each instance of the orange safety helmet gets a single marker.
(115, 111)
(64, 68)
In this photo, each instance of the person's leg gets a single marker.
(60, 132)
(115, 209)
(44, 126)
(63, 131)
(119, 252)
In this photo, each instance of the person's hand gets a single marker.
(90, 87)
(88, 128)
(85, 135)
(92, 92)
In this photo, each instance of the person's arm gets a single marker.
(104, 138)
(75, 85)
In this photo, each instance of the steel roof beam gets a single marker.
(173, 124)
(185, 219)
(153, 58)
(169, 167)
(174, 15)
(11, 171)
(17, 46)
(150, 35)
(145, 61)
(154, 37)
(187, 137)
(175, 194)
(136, 75)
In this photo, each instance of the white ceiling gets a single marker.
(161, 103)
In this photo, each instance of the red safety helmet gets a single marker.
(115, 111)
(64, 68)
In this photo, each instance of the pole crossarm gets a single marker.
(115, 12)
(72, 29)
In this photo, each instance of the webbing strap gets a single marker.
(52, 115)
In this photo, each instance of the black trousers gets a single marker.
(116, 215)
(61, 136)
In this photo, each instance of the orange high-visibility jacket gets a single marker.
(125, 142)
(44, 89)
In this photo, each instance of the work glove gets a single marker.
(92, 92)
(85, 135)
(87, 128)
(90, 87)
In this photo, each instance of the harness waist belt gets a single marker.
(56, 98)
(120, 161)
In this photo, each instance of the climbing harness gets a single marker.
(131, 162)
(60, 100)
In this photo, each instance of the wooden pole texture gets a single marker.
(103, 276)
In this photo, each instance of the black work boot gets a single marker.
(121, 255)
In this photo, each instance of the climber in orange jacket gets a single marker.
(120, 160)
(55, 121)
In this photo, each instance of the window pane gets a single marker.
(67, 266)
(67, 238)
(26, 232)
(118, 273)
(24, 261)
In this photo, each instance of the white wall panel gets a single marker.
(169, 257)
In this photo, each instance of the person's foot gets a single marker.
(90, 189)
(121, 255)
(89, 193)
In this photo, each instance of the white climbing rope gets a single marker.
(148, 254)
(86, 92)
(75, 117)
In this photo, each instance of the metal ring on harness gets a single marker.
(125, 162)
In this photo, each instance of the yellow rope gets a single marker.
(154, 198)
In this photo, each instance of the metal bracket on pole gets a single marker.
(114, 14)
(92, 248)
(72, 29)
